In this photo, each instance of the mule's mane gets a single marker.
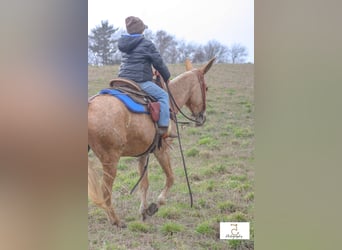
(183, 77)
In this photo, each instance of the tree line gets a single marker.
(103, 49)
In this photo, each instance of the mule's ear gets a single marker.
(206, 67)
(188, 64)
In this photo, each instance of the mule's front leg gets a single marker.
(143, 187)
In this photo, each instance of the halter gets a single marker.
(203, 88)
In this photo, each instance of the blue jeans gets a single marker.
(163, 98)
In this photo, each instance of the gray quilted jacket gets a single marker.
(138, 54)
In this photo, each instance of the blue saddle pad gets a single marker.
(126, 99)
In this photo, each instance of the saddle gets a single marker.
(133, 90)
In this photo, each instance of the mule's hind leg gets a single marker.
(109, 174)
(163, 158)
(143, 186)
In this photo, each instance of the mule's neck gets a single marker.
(181, 87)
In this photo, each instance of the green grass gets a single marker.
(227, 206)
(192, 152)
(169, 213)
(171, 228)
(240, 178)
(220, 162)
(237, 217)
(138, 227)
(206, 141)
(249, 196)
(242, 132)
(233, 184)
(220, 168)
(234, 244)
(205, 228)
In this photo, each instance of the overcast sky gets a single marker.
(227, 21)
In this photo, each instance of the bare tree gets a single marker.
(173, 54)
(199, 55)
(238, 53)
(185, 50)
(148, 34)
(166, 44)
(215, 49)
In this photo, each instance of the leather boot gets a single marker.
(172, 129)
(162, 131)
(168, 131)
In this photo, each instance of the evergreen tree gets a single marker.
(101, 43)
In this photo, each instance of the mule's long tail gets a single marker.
(95, 191)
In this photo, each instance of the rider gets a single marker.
(138, 55)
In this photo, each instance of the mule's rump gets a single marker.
(111, 126)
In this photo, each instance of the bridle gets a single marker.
(203, 87)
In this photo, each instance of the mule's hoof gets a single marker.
(120, 224)
(143, 216)
(152, 209)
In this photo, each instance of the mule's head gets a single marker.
(197, 100)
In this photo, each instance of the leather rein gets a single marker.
(173, 103)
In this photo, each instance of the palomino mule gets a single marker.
(113, 131)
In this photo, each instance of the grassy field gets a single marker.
(220, 162)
